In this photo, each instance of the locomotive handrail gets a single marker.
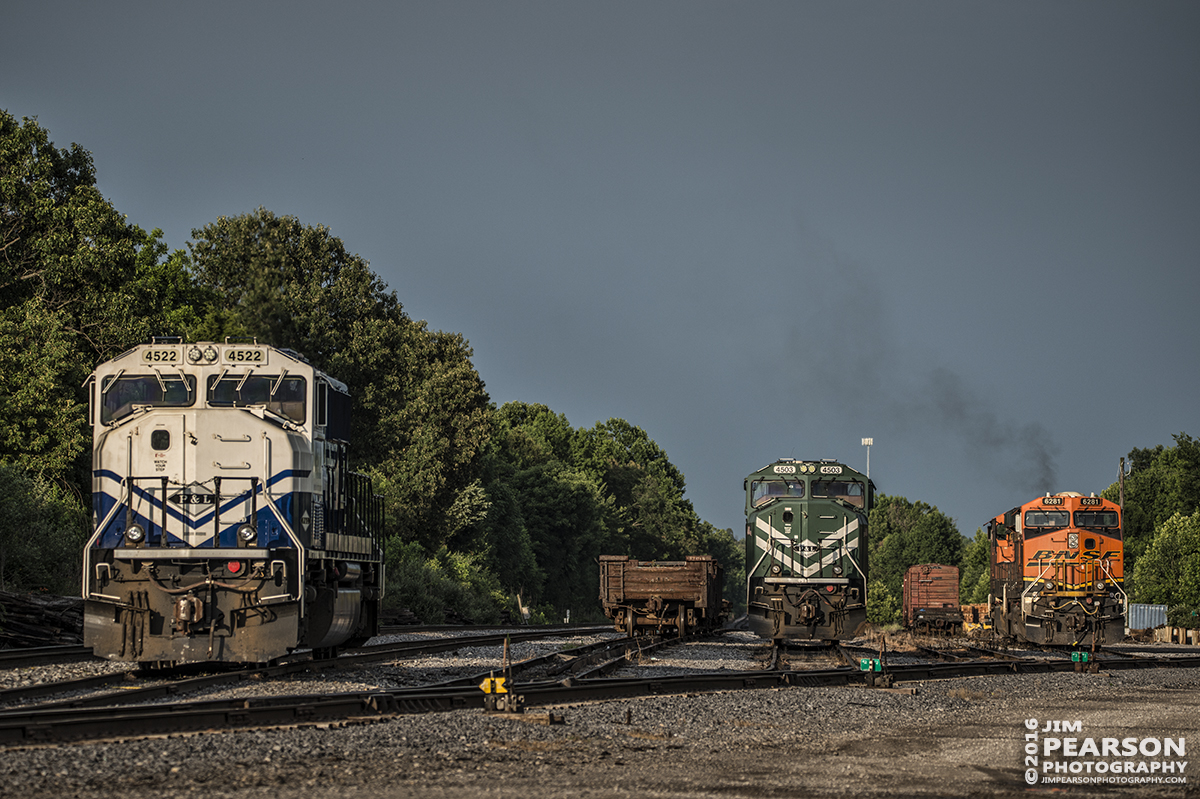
(130, 483)
(1117, 585)
(1033, 583)
(845, 550)
(285, 595)
(107, 519)
(750, 574)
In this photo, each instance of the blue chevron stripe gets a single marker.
(270, 532)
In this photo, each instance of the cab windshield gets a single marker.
(122, 395)
(1095, 518)
(279, 394)
(766, 490)
(846, 490)
(1047, 518)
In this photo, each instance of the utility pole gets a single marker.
(1121, 482)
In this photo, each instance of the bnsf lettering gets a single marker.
(1084, 556)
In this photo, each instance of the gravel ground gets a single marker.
(949, 738)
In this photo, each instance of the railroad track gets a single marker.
(42, 656)
(556, 678)
(45, 724)
(98, 716)
(296, 664)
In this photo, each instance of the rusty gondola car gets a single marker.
(931, 603)
(640, 596)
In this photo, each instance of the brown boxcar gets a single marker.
(931, 598)
(684, 595)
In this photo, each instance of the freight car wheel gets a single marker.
(630, 624)
(681, 623)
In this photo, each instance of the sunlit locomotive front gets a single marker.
(806, 550)
(1057, 566)
(228, 526)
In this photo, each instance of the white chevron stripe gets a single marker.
(833, 546)
(784, 557)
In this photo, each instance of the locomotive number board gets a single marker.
(161, 355)
(1052, 500)
(256, 356)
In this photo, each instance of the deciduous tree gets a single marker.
(421, 419)
(78, 284)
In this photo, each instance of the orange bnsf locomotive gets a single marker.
(1057, 571)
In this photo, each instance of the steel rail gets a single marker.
(382, 652)
(402, 629)
(42, 655)
(302, 664)
(62, 686)
(46, 724)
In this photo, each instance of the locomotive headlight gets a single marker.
(1073, 540)
(210, 354)
(247, 533)
(775, 568)
(837, 569)
(135, 534)
(194, 355)
(1099, 585)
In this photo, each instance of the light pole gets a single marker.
(867, 442)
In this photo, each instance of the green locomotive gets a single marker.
(806, 550)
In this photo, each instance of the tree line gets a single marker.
(483, 503)
(1161, 528)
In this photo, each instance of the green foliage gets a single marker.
(509, 500)
(1168, 573)
(980, 590)
(974, 572)
(883, 606)
(566, 518)
(421, 416)
(905, 534)
(1162, 482)
(1184, 616)
(730, 552)
(42, 533)
(655, 521)
(582, 493)
(432, 586)
(528, 435)
(78, 285)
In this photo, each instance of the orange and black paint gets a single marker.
(1057, 568)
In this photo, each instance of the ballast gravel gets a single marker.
(928, 739)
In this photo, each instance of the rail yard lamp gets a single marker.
(867, 442)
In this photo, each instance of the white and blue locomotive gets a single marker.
(228, 526)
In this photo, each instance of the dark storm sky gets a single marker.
(757, 230)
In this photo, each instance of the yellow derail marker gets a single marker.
(493, 685)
